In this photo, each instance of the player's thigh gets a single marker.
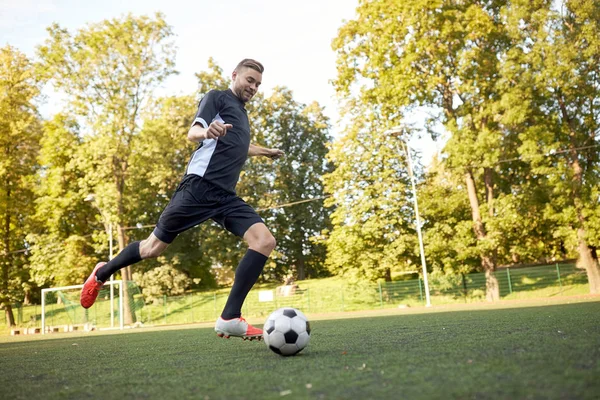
(190, 205)
(238, 217)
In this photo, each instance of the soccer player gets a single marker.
(207, 190)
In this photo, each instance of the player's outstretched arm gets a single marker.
(273, 154)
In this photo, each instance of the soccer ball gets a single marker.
(286, 331)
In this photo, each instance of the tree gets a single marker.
(19, 145)
(108, 71)
(61, 250)
(444, 55)
(553, 71)
(303, 133)
(448, 227)
(373, 223)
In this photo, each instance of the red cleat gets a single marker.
(237, 327)
(91, 288)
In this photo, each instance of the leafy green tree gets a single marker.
(303, 133)
(444, 55)
(553, 72)
(213, 79)
(19, 145)
(373, 222)
(448, 227)
(108, 71)
(61, 250)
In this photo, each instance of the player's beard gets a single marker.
(246, 95)
(243, 94)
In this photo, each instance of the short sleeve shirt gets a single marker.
(220, 161)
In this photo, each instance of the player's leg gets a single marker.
(260, 245)
(132, 254)
(183, 212)
(243, 221)
(135, 252)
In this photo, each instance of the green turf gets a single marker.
(543, 352)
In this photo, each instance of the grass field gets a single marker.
(535, 349)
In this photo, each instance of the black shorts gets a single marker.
(197, 200)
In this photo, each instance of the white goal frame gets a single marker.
(111, 283)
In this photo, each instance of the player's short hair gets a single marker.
(250, 63)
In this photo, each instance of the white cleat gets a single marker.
(237, 327)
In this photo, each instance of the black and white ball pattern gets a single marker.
(286, 331)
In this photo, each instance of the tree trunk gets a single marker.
(492, 292)
(10, 317)
(6, 264)
(587, 261)
(300, 269)
(492, 288)
(129, 317)
(27, 298)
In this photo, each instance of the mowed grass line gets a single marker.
(549, 352)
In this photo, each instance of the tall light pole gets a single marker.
(396, 132)
(108, 227)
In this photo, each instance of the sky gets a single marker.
(292, 39)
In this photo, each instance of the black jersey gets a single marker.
(220, 161)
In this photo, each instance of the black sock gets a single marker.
(130, 255)
(246, 275)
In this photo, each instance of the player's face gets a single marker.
(246, 83)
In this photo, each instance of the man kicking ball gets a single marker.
(207, 190)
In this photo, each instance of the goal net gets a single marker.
(62, 312)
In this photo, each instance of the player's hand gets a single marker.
(217, 129)
(274, 154)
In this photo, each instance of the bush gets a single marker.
(164, 280)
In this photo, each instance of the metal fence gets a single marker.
(514, 283)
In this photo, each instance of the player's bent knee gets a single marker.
(150, 250)
(264, 244)
(260, 239)
(271, 243)
(267, 243)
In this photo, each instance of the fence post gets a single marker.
(465, 289)
(420, 289)
(165, 307)
(215, 303)
(509, 282)
(558, 274)
(380, 294)
(142, 310)
(192, 306)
